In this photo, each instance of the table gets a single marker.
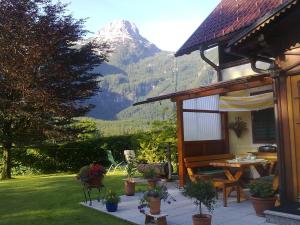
(240, 166)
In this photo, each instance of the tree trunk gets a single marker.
(6, 170)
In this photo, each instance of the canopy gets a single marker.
(249, 103)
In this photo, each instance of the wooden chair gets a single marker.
(226, 186)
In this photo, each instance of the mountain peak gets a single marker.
(119, 29)
(126, 42)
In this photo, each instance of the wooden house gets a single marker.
(258, 44)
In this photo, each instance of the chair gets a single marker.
(129, 155)
(114, 165)
(226, 186)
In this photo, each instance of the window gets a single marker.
(263, 126)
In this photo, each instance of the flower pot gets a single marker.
(203, 219)
(129, 188)
(262, 204)
(151, 183)
(111, 207)
(154, 205)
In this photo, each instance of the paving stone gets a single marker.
(181, 211)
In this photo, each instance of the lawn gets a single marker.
(53, 200)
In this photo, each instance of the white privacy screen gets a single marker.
(202, 126)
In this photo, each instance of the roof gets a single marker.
(222, 87)
(228, 17)
(269, 18)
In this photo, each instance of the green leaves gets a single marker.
(262, 189)
(153, 143)
(111, 197)
(203, 193)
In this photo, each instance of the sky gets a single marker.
(166, 23)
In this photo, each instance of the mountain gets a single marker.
(137, 69)
(126, 42)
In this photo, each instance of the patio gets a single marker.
(181, 211)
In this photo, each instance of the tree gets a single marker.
(46, 74)
(153, 143)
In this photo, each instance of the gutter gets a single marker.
(209, 62)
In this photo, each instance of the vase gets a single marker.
(129, 187)
(203, 219)
(262, 204)
(154, 205)
(111, 207)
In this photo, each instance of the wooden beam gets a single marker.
(225, 130)
(201, 111)
(223, 90)
(180, 141)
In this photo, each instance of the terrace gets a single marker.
(181, 211)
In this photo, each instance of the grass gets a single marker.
(53, 200)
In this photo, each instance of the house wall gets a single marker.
(244, 144)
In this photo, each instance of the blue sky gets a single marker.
(166, 23)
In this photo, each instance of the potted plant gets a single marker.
(203, 193)
(111, 201)
(151, 177)
(262, 196)
(129, 182)
(152, 199)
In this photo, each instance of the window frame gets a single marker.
(255, 141)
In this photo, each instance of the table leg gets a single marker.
(235, 177)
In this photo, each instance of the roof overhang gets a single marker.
(271, 35)
(218, 88)
(262, 22)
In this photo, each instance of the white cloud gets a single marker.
(169, 35)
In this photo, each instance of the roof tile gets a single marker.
(227, 17)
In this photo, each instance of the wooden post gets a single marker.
(225, 131)
(180, 141)
(286, 155)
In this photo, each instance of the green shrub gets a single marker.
(261, 189)
(153, 144)
(111, 197)
(150, 174)
(203, 193)
(70, 157)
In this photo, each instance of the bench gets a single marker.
(195, 162)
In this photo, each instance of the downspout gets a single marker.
(211, 63)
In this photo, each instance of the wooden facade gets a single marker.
(287, 86)
(274, 36)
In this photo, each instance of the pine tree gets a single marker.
(46, 73)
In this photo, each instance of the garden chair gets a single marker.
(114, 165)
(129, 155)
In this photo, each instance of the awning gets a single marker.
(218, 88)
(249, 103)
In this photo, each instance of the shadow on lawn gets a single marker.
(52, 200)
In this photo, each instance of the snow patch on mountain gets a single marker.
(120, 32)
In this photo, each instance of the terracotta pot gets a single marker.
(203, 219)
(262, 204)
(151, 183)
(154, 205)
(129, 187)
